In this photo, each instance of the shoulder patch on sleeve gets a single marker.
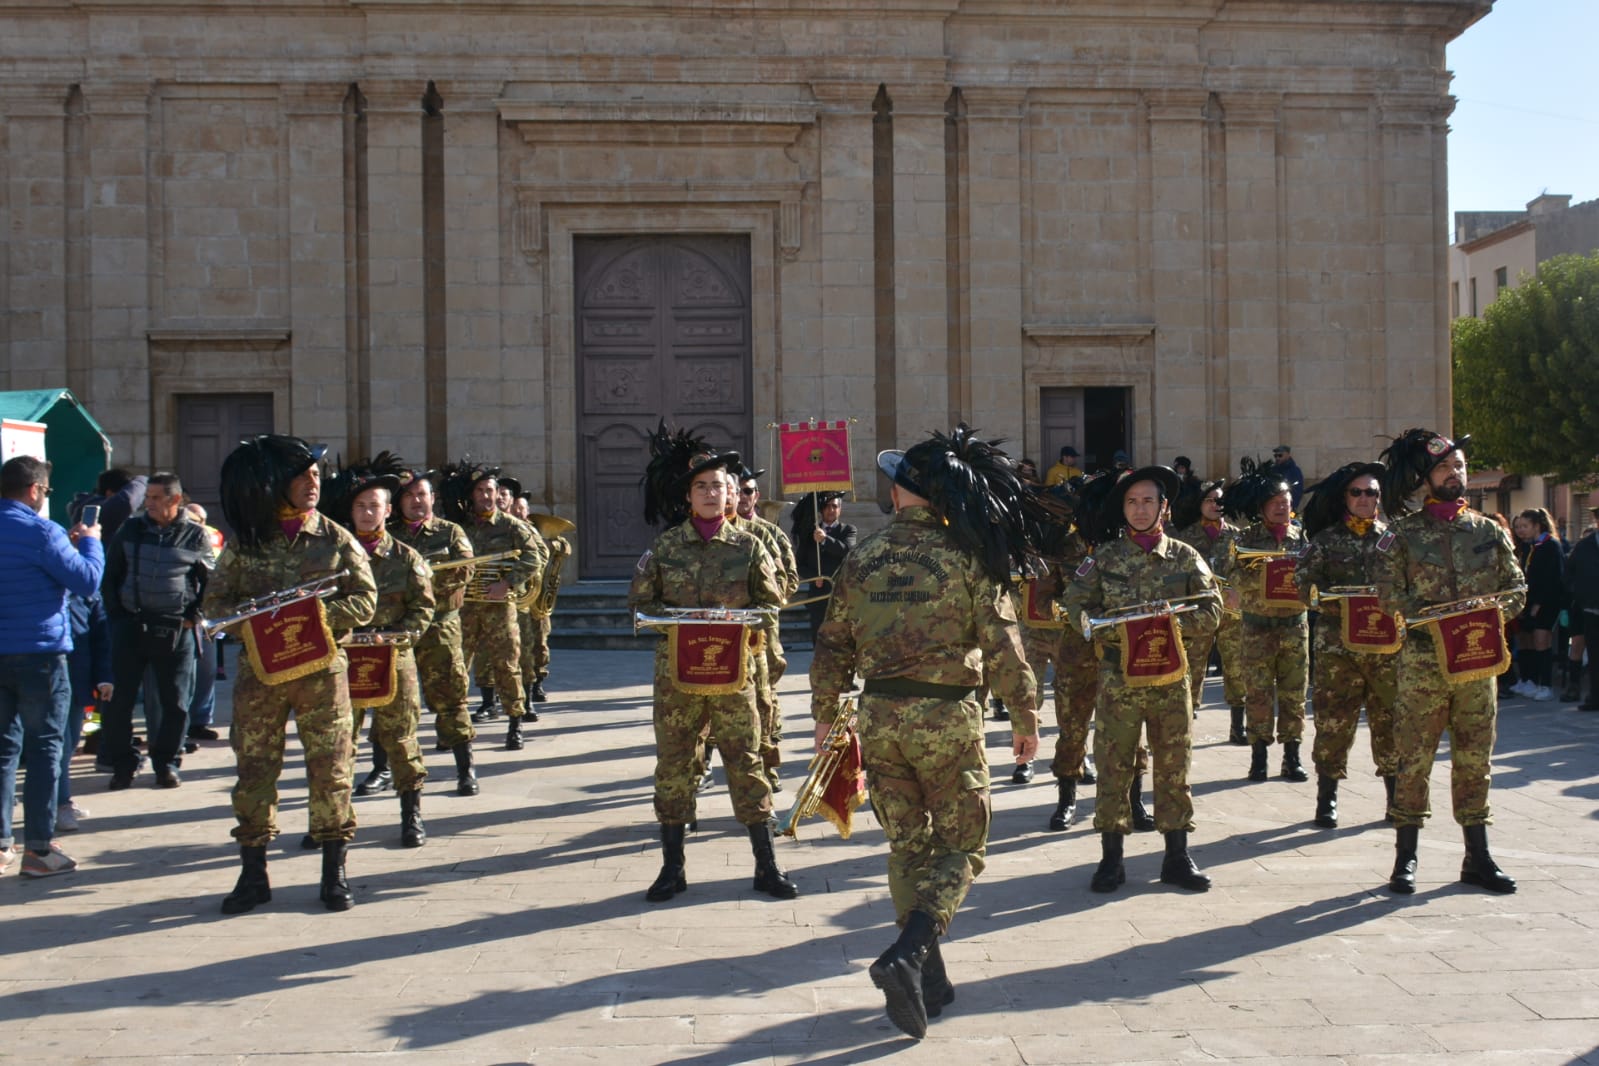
(1386, 541)
(643, 563)
(1085, 568)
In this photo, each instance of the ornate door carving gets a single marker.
(663, 331)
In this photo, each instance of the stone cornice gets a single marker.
(1080, 332)
(1177, 105)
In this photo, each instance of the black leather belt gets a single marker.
(921, 690)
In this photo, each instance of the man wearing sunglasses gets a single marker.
(1356, 657)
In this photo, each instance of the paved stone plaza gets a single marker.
(519, 934)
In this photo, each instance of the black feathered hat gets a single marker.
(973, 486)
(1410, 458)
(510, 483)
(1093, 492)
(1259, 483)
(340, 488)
(456, 483)
(670, 452)
(1324, 505)
(255, 482)
(1111, 518)
(1186, 510)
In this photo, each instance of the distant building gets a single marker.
(1494, 251)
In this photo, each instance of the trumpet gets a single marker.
(318, 588)
(823, 768)
(1339, 592)
(378, 638)
(678, 616)
(1250, 556)
(1138, 612)
(1437, 612)
(473, 560)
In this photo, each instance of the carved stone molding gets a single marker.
(1088, 332)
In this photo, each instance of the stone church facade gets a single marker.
(528, 231)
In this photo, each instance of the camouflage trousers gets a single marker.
(681, 722)
(770, 671)
(1275, 662)
(320, 704)
(1227, 637)
(1428, 705)
(443, 673)
(1344, 682)
(1076, 687)
(927, 771)
(534, 633)
(491, 641)
(1124, 713)
(394, 726)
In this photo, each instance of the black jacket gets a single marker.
(168, 579)
(1582, 573)
(839, 543)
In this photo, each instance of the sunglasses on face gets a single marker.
(1373, 493)
(748, 492)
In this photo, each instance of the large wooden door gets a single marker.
(663, 331)
(210, 425)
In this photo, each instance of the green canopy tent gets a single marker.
(78, 449)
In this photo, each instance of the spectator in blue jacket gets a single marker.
(42, 565)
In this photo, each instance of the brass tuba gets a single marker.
(540, 599)
(824, 767)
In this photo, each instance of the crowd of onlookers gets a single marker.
(1562, 598)
(97, 617)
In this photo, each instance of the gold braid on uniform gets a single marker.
(1324, 501)
(255, 481)
(1410, 458)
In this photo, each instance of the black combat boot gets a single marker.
(252, 888)
(536, 693)
(379, 779)
(489, 709)
(1326, 801)
(1023, 774)
(1403, 879)
(1572, 692)
(1142, 822)
(1389, 783)
(1088, 777)
(671, 880)
(1110, 874)
(528, 713)
(335, 886)
(1239, 735)
(1066, 804)
(1478, 867)
(413, 834)
(937, 992)
(1257, 760)
(1000, 713)
(898, 972)
(1178, 868)
(1292, 768)
(465, 769)
(769, 877)
(513, 735)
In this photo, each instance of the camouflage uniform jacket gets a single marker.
(439, 540)
(732, 569)
(1246, 576)
(320, 548)
(1214, 552)
(908, 604)
(1122, 574)
(405, 591)
(503, 532)
(781, 549)
(1430, 561)
(1339, 556)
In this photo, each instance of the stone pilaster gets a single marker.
(1256, 378)
(318, 265)
(921, 293)
(116, 229)
(1179, 275)
(993, 244)
(396, 319)
(33, 211)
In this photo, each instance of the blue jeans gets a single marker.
(34, 693)
(69, 741)
(202, 711)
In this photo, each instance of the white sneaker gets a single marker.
(55, 861)
(1524, 688)
(7, 857)
(1543, 694)
(67, 817)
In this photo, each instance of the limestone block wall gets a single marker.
(368, 210)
